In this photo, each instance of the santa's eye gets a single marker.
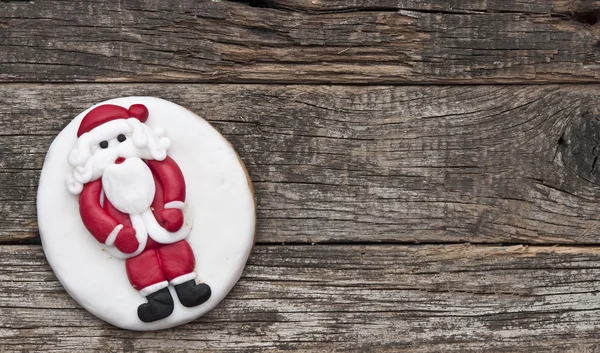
(104, 144)
(121, 138)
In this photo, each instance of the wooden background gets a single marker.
(427, 172)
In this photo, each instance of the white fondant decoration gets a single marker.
(153, 288)
(219, 204)
(129, 186)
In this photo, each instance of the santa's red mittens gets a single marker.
(171, 219)
(126, 241)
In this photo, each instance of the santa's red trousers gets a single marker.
(159, 263)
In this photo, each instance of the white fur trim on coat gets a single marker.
(153, 288)
(110, 240)
(175, 204)
(183, 278)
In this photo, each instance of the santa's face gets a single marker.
(111, 144)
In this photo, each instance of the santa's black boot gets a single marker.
(159, 306)
(191, 294)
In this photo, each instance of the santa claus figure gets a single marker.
(132, 200)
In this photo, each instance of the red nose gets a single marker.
(119, 160)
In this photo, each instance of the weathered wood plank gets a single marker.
(453, 298)
(582, 10)
(300, 41)
(482, 164)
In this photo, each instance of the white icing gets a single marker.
(161, 235)
(82, 151)
(223, 213)
(183, 278)
(175, 204)
(73, 186)
(153, 288)
(110, 240)
(129, 186)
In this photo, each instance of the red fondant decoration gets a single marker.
(171, 219)
(144, 270)
(176, 259)
(107, 112)
(170, 177)
(139, 111)
(170, 186)
(163, 264)
(96, 220)
(126, 241)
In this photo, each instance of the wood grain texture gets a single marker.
(453, 298)
(300, 41)
(577, 8)
(483, 164)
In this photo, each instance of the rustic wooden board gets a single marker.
(453, 298)
(583, 10)
(345, 167)
(300, 41)
(484, 164)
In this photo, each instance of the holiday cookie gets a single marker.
(146, 213)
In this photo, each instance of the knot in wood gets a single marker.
(580, 145)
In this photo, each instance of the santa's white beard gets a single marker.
(129, 186)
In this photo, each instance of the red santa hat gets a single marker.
(108, 112)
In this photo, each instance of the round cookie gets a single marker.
(146, 213)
